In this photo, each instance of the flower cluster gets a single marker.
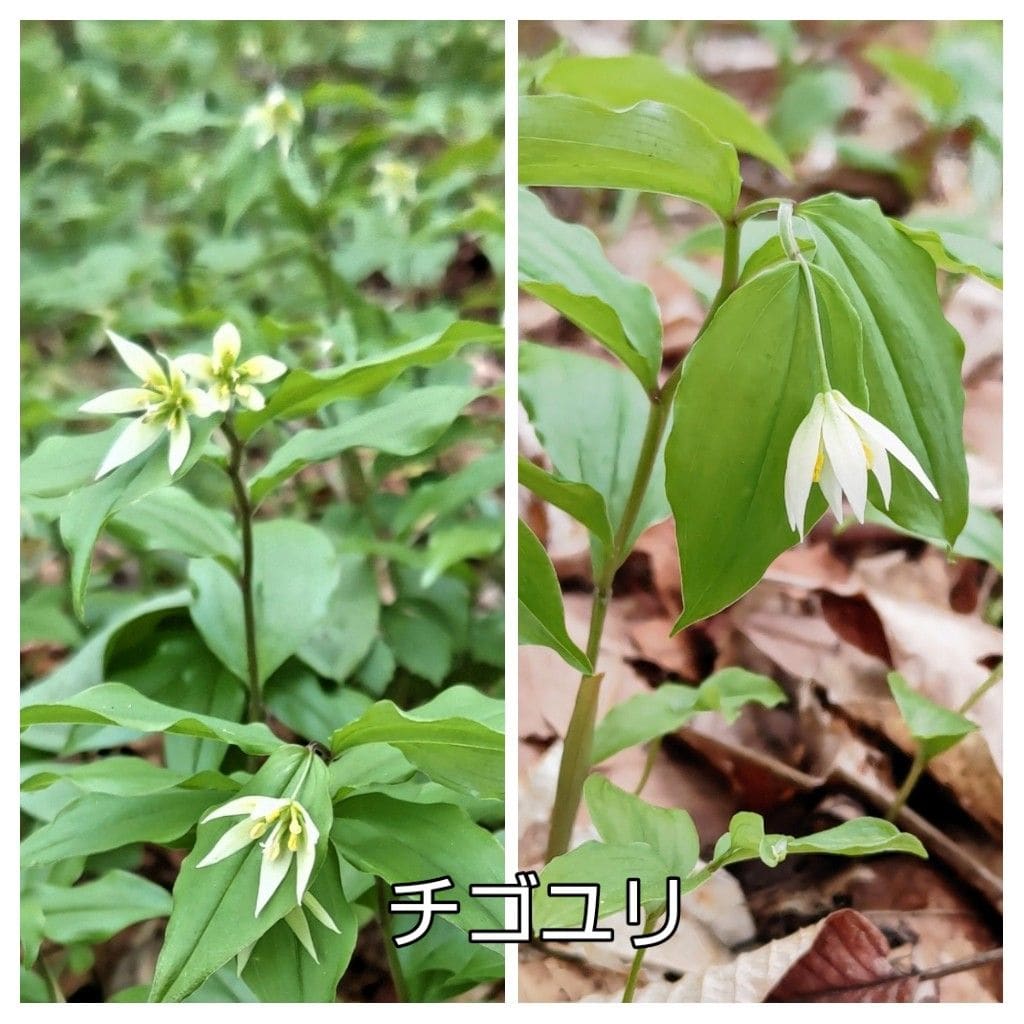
(167, 397)
(275, 118)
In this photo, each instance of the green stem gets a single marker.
(579, 737)
(761, 206)
(917, 767)
(390, 949)
(244, 512)
(994, 677)
(634, 970)
(730, 265)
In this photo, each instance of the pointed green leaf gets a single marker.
(405, 426)
(563, 264)
(580, 501)
(935, 727)
(302, 392)
(115, 704)
(752, 375)
(564, 140)
(622, 818)
(623, 81)
(860, 837)
(958, 253)
(541, 614)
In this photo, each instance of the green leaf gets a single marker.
(443, 965)
(812, 102)
(958, 253)
(912, 355)
(564, 265)
(295, 572)
(456, 752)
(418, 639)
(564, 140)
(95, 911)
(302, 392)
(89, 509)
(541, 614)
(64, 463)
(171, 519)
(116, 704)
(936, 88)
(860, 837)
(213, 918)
(280, 970)
(462, 542)
(608, 865)
(96, 822)
(622, 818)
(753, 375)
(591, 418)
(121, 776)
(623, 81)
(404, 842)
(935, 728)
(406, 426)
(647, 716)
(580, 501)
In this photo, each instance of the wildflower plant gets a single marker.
(825, 370)
(260, 514)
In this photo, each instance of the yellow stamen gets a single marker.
(293, 842)
(257, 830)
(819, 465)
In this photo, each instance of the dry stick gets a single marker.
(244, 512)
(966, 868)
(579, 737)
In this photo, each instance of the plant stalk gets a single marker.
(244, 513)
(634, 970)
(917, 767)
(390, 949)
(579, 737)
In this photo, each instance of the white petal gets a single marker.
(200, 403)
(181, 438)
(139, 436)
(297, 922)
(254, 806)
(272, 871)
(120, 400)
(137, 359)
(250, 397)
(305, 857)
(196, 365)
(885, 437)
(233, 840)
(803, 454)
(829, 485)
(319, 911)
(843, 449)
(262, 369)
(879, 465)
(227, 343)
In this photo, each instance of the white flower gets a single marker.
(834, 447)
(276, 117)
(227, 377)
(395, 184)
(287, 831)
(164, 400)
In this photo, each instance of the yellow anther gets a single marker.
(819, 465)
(273, 815)
(257, 830)
(293, 842)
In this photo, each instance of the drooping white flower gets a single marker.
(395, 184)
(226, 377)
(835, 446)
(287, 832)
(276, 117)
(164, 399)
